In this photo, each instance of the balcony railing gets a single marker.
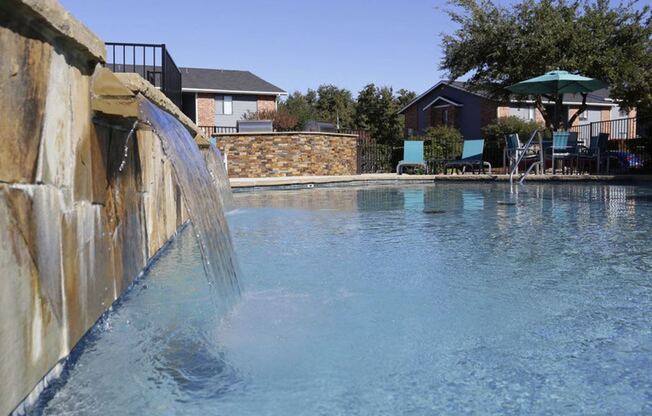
(212, 130)
(152, 61)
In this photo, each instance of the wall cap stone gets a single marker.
(138, 85)
(63, 24)
(285, 133)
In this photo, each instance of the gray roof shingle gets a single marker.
(225, 80)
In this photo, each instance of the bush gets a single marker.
(494, 135)
(445, 142)
(496, 131)
(282, 120)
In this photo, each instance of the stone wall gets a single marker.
(79, 220)
(262, 155)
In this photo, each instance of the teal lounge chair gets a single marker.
(513, 150)
(471, 157)
(564, 147)
(412, 155)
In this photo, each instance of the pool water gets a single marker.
(430, 299)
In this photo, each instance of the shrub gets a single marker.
(282, 120)
(495, 132)
(445, 142)
(494, 135)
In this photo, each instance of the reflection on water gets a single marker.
(359, 302)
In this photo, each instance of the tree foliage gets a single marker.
(377, 112)
(375, 109)
(499, 46)
(281, 119)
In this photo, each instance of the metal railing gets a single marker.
(630, 141)
(213, 130)
(152, 61)
(619, 129)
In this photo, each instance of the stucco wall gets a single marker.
(75, 229)
(265, 155)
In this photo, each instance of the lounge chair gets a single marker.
(513, 150)
(597, 150)
(564, 147)
(412, 155)
(471, 157)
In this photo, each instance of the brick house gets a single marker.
(455, 105)
(218, 98)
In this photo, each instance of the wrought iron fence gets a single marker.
(152, 61)
(212, 130)
(630, 142)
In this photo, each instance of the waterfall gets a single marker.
(215, 164)
(202, 199)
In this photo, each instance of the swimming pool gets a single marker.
(428, 299)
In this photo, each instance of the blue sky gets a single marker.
(295, 44)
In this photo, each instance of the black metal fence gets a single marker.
(382, 158)
(152, 61)
(630, 141)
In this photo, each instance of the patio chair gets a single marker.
(471, 157)
(513, 150)
(562, 148)
(412, 155)
(596, 151)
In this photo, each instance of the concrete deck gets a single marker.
(392, 177)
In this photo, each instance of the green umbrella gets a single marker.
(557, 82)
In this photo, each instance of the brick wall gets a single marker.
(411, 120)
(206, 109)
(263, 155)
(266, 103)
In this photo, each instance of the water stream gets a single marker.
(202, 199)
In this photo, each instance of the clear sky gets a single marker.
(294, 44)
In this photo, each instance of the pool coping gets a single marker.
(249, 183)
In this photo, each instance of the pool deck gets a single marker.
(394, 178)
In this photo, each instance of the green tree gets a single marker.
(377, 112)
(405, 97)
(499, 46)
(335, 104)
(300, 106)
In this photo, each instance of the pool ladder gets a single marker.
(521, 154)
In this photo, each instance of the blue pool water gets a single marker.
(420, 300)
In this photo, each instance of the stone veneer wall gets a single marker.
(262, 155)
(75, 228)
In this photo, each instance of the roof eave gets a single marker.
(241, 92)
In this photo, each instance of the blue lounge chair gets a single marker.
(471, 157)
(564, 147)
(514, 149)
(597, 150)
(412, 155)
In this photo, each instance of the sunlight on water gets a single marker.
(360, 302)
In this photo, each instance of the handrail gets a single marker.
(521, 155)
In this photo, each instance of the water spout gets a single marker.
(203, 200)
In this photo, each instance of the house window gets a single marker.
(444, 116)
(228, 105)
(584, 116)
(623, 113)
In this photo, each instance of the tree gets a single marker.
(405, 97)
(499, 46)
(335, 105)
(377, 112)
(300, 106)
(281, 119)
